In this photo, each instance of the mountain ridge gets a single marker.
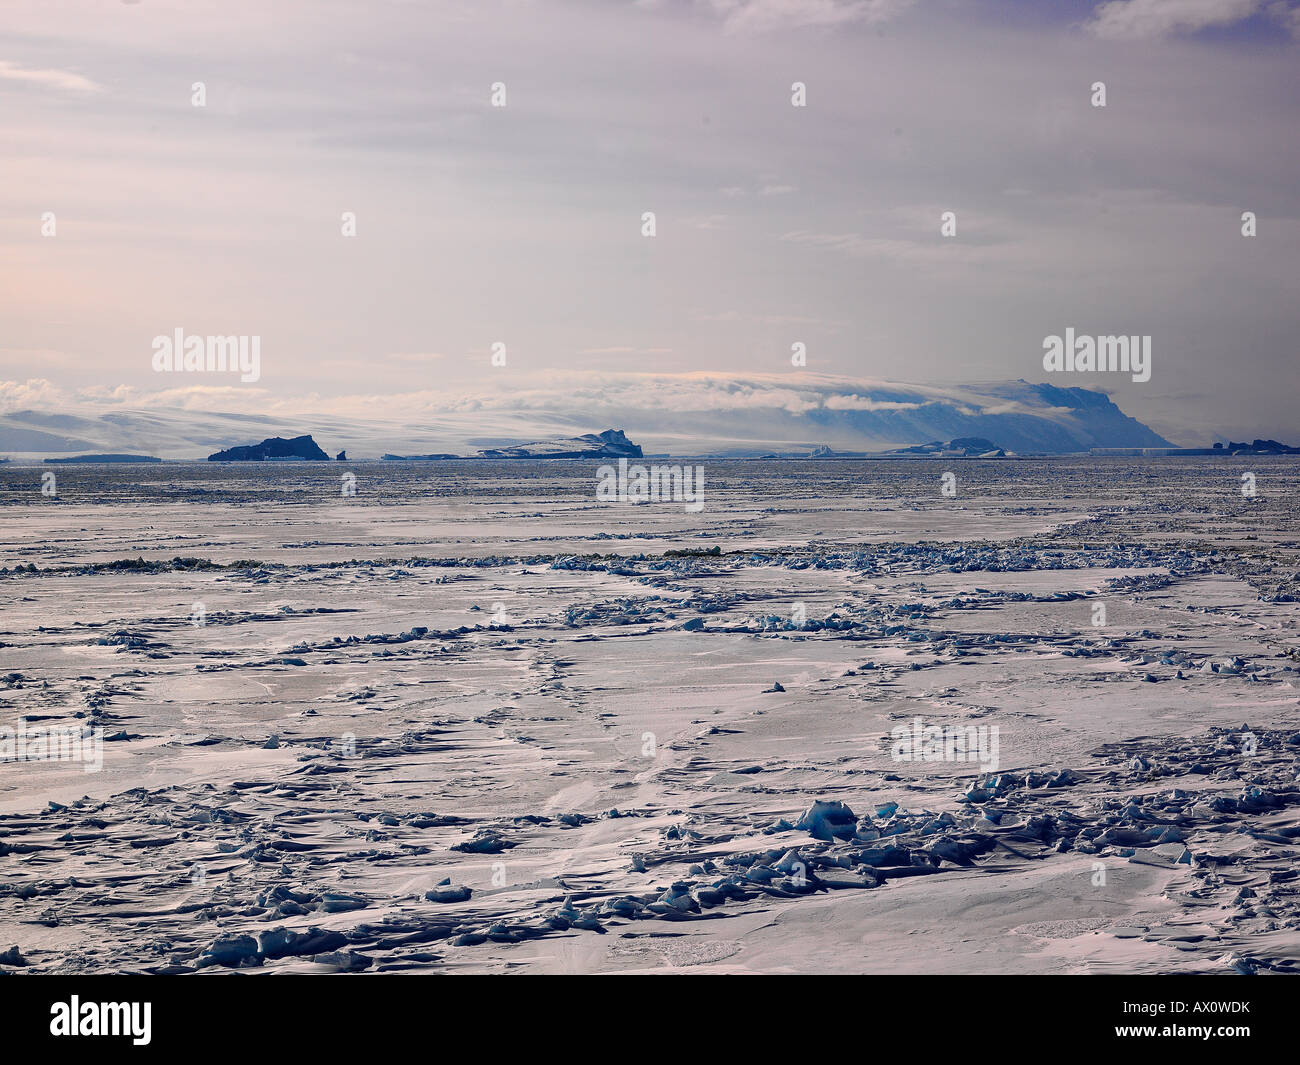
(684, 414)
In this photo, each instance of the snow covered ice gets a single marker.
(468, 720)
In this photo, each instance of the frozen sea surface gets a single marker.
(470, 719)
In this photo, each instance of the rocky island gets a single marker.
(300, 448)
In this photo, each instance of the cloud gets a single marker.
(34, 393)
(65, 80)
(856, 402)
(764, 15)
(234, 398)
(1288, 17)
(1145, 19)
(518, 223)
(566, 395)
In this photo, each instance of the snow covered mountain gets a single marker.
(684, 414)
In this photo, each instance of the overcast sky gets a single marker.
(775, 224)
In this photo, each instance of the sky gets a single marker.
(522, 224)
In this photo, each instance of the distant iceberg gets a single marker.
(612, 443)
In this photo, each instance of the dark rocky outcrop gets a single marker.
(300, 447)
(1258, 447)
